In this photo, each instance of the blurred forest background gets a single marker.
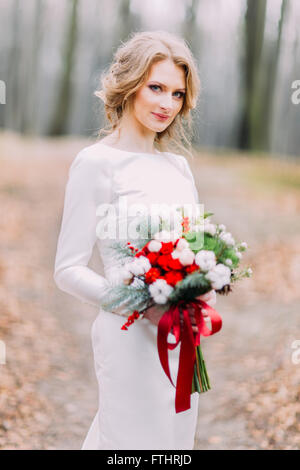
(52, 53)
(247, 145)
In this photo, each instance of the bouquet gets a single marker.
(176, 270)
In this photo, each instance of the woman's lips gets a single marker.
(161, 117)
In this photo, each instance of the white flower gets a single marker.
(154, 245)
(239, 255)
(175, 254)
(222, 227)
(139, 266)
(227, 238)
(219, 276)
(205, 259)
(228, 261)
(244, 245)
(143, 260)
(210, 228)
(249, 270)
(186, 257)
(206, 226)
(136, 268)
(125, 275)
(182, 244)
(160, 291)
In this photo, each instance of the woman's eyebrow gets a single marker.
(163, 85)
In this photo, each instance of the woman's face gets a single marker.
(161, 97)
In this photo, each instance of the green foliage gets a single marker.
(191, 286)
(130, 297)
(195, 240)
(229, 253)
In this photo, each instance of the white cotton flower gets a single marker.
(136, 268)
(154, 246)
(239, 255)
(143, 260)
(182, 244)
(205, 259)
(219, 276)
(125, 275)
(227, 238)
(175, 254)
(228, 261)
(139, 266)
(160, 291)
(160, 299)
(210, 228)
(244, 245)
(222, 227)
(186, 257)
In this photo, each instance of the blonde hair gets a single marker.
(129, 71)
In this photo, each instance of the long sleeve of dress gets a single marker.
(77, 235)
(188, 173)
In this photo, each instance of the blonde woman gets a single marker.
(149, 89)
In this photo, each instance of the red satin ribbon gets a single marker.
(189, 342)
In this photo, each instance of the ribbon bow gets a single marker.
(189, 342)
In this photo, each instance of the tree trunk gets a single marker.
(254, 37)
(58, 126)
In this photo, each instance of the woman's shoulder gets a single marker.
(91, 158)
(181, 162)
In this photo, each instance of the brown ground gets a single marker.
(48, 388)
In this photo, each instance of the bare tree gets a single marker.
(271, 72)
(254, 36)
(58, 125)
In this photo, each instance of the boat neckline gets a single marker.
(131, 152)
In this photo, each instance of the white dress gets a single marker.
(136, 401)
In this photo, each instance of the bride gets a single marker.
(150, 88)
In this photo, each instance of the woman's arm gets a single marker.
(188, 173)
(77, 235)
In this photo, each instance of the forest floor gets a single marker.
(48, 387)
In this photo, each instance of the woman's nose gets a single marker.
(166, 103)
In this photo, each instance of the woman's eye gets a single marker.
(181, 94)
(151, 86)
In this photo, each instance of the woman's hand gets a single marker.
(153, 314)
(210, 298)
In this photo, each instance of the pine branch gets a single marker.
(191, 286)
(133, 298)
